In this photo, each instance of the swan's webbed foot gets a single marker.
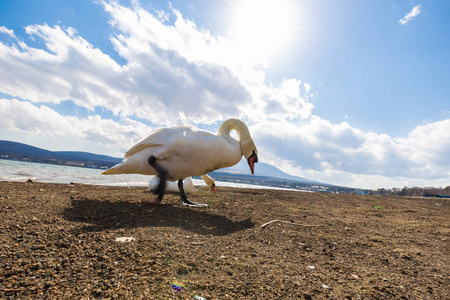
(184, 199)
(162, 174)
(187, 202)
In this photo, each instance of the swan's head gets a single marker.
(250, 153)
(209, 182)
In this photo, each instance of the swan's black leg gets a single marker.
(162, 174)
(184, 199)
(182, 192)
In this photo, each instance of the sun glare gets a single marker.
(263, 26)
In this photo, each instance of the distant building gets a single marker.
(74, 164)
(315, 188)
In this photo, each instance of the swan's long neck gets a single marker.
(246, 144)
(238, 125)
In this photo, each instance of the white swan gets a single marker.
(188, 184)
(183, 151)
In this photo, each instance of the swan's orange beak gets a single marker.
(213, 187)
(252, 160)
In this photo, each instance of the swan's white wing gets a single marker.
(159, 137)
(139, 147)
(186, 121)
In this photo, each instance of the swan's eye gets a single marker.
(255, 160)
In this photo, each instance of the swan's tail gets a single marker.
(111, 171)
(130, 167)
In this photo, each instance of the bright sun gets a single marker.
(263, 26)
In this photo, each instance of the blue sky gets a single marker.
(350, 92)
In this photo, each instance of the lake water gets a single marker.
(11, 170)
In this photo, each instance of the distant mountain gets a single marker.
(8, 147)
(21, 151)
(86, 156)
(262, 169)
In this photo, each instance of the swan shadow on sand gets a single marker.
(106, 215)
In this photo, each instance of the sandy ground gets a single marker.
(59, 242)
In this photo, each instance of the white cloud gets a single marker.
(41, 121)
(70, 69)
(7, 31)
(431, 144)
(170, 67)
(345, 155)
(411, 15)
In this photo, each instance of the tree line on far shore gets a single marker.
(416, 191)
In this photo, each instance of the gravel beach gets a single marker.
(73, 241)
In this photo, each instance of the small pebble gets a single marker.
(125, 239)
(307, 296)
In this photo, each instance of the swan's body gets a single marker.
(184, 151)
